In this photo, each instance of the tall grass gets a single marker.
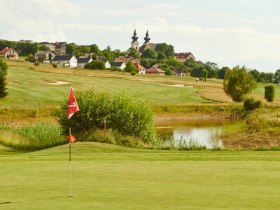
(31, 137)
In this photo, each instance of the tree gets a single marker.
(269, 93)
(44, 48)
(168, 50)
(212, 69)
(3, 74)
(256, 74)
(205, 74)
(130, 67)
(222, 72)
(277, 76)
(238, 82)
(149, 53)
(133, 53)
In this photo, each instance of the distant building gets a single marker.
(155, 70)
(126, 59)
(179, 72)
(141, 69)
(182, 57)
(119, 65)
(66, 60)
(59, 48)
(146, 45)
(44, 56)
(82, 61)
(9, 53)
(26, 41)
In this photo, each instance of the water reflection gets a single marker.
(192, 133)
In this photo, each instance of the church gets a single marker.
(146, 45)
(181, 57)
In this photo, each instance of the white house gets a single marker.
(107, 65)
(44, 56)
(9, 53)
(66, 60)
(119, 65)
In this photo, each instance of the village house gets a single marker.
(141, 69)
(44, 56)
(83, 60)
(9, 53)
(155, 70)
(126, 59)
(59, 48)
(66, 60)
(119, 65)
(182, 57)
(179, 72)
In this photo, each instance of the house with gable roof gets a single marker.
(182, 57)
(83, 60)
(9, 53)
(66, 60)
(44, 56)
(155, 70)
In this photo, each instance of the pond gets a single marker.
(188, 133)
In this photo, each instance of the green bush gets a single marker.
(269, 93)
(36, 63)
(54, 65)
(95, 65)
(123, 113)
(251, 104)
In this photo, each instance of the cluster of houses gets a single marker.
(57, 55)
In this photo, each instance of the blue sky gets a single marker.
(228, 32)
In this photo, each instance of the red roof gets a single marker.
(139, 66)
(5, 50)
(154, 70)
(182, 55)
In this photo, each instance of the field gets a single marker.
(114, 177)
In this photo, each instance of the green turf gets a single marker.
(31, 89)
(114, 177)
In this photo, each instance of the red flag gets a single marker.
(72, 104)
(71, 138)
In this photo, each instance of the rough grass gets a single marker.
(113, 177)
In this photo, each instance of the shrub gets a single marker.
(133, 73)
(54, 65)
(95, 65)
(269, 93)
(125, 114)
(36, 63)
(251, 104)
(3, 74)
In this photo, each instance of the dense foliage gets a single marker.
(95, 65)
(251, 104)
(123, 113)
(3, 74)
(238, 82)
(269, 93)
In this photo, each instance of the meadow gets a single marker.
(106, 176)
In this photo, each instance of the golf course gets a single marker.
(244, 174)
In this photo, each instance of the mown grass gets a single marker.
(113, 177)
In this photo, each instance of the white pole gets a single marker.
(70, 166)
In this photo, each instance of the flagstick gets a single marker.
(70, 168)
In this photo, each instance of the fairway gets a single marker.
(113, 177)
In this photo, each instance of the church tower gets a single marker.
(147, 38)
(135, 43)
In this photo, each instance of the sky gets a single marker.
(227, 32)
